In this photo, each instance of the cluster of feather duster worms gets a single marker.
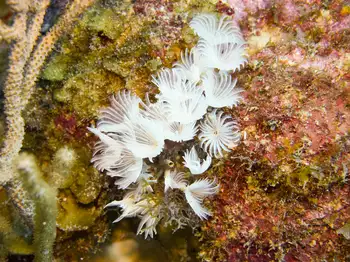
(133, 133)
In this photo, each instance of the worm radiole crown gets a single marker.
(139, 139)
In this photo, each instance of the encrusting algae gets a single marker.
(284, 191)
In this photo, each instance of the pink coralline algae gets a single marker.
(244, 7)
(285, 193)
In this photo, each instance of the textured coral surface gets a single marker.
(284, 193)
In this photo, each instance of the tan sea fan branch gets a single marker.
(25, 62)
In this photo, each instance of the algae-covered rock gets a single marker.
(82, 246)
(104, 21)
(60, 171)
(86, 93)
(83, 186)
(85, 181)
(87, 184)
(72, 216)
(121, 67)
(283, 196)
(136, 82)
(58, 68)
(154, 64)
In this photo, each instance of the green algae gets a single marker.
(60, 172)
(75, 217)
(301, 175)
(87, 184)
(121, 67)
(105, 22)
(58, 68)
(86, 93)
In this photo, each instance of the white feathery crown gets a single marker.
(181, 132)
(127, 167)
(221, 44)
(132, 131)
(196, 192)
(208, 28)
(194, 164)
(124, 105)
(190, 65)
(173, 179)
(143, 137)
(225, 56)
(129, 206)
(218, 134)
(220, 89)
